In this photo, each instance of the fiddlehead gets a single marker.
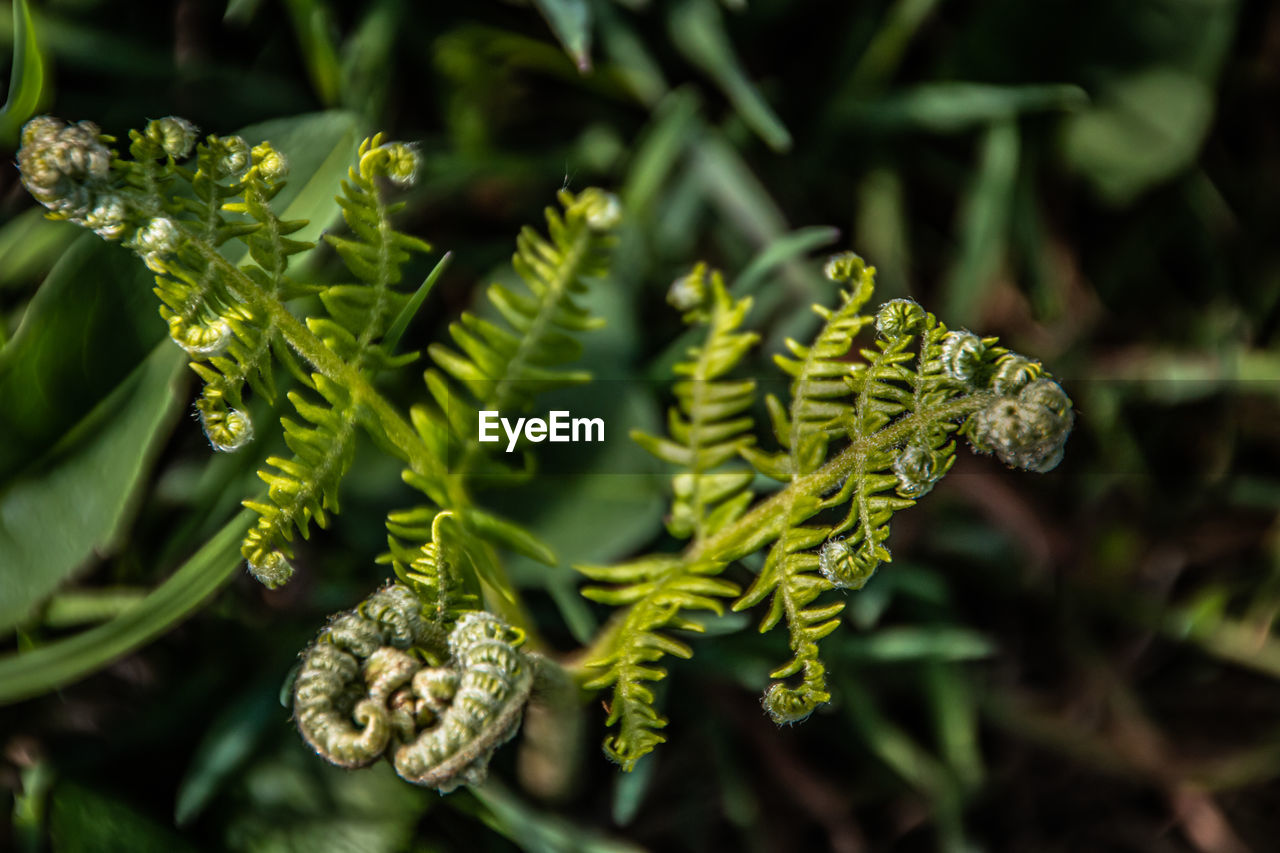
(409, 675)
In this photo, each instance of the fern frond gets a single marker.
(867, 437)
(501, 368)
(707, 426)
(304, 487)
(655, 590)
(707, 430)
(820, 412)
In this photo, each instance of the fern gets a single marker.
(708, 430)
(860, 440)
(501, 367)
(304, 488)
(869, 428)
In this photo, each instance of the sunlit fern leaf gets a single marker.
(305, 487)
(655, 590)
(707, 430)
(302, 488)
(499, 367)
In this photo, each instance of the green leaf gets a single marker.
(77, 503)
(26, 81)
(1145, 128)
(30, 245)
(92, 322)
(697, 29)
(570, 20)
(957, 107)
(401, 323)
(313, 25)
(48, 667)
(984, 224)
(229, 743)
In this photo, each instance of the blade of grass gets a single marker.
(49, 667)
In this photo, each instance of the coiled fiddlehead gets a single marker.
(363, 690)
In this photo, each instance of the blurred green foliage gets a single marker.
(1078, 661)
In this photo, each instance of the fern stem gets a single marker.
(770, 514)
(325, 361)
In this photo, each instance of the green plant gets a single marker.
(436, 668)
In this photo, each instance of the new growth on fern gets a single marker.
(869, 429)
(434, 670)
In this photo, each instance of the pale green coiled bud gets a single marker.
(917, 471)
(204, 341)
(962, 356)
(846, 267)
(395, 161)
(847, 566)
(64, 166)
(108, 217)
(156, 240)
(1028, 431)
(271, 165)
(227, 429)
(273, 570)
(1012, 373)
(899, 317)
(603, 210)
(689, 292)
(231, 156)
(175, 136)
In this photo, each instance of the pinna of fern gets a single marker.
(859, 440)
(501, 364)
(231, 318)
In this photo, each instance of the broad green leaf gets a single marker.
(61, 662)
(697, 30)
(30, 245)
(75, 504)
(26, 80)
(313, 26)
(570, 20)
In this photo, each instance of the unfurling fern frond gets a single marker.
(231, 319)
(708, 429)
(860, 440)
(305, 487)
(501, 367)
(363, 690)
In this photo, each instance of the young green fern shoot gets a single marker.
(421, 672)
(858, 441)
